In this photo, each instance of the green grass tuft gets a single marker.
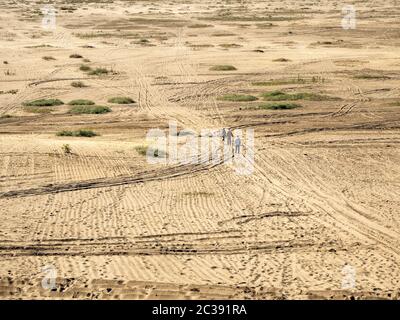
(75, 56)
(282, 96)
(89, 109)
(223, 67)
(81, 102)
(43, 103)
(238, 97)
(77, 133)
(98, 71)
(279, 106)
(85, 67)
(121, 100)
(78, 84)
(40, 110)
(156, 153)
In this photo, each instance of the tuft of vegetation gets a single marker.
(143, 150)
(237, 97)
(81, 102)
(48, 58)
(199, 25)
(281, 60)
(298, 80)
(77, 133)
(223, 67)
(372, 77)
(66, 149)
(85, 68)
(282, 96)
(43, 103)
(198, 193)
(75, 56)
(89, 109)
(98, 71)
(40, 110)
(12, 91)
(121, 100)
(279, 106)
(229, 45)
(78, 84)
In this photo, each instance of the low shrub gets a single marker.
(238, 97)
(85, 68)
(43, 103)
(282, 96)
(75, 56)
(121, 100)
(224, 67)
(38, 110)
(279, 106)
(78, 84)
(77, 133)
(89, 109)
(98, 71)
(81, 102)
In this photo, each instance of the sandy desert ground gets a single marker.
(324, 194)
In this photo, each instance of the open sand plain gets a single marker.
(324, 194)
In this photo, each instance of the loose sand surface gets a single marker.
(323, 198)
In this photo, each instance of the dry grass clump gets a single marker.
(279, 106)
(89, 109)
(43, 103)
(121, 100)
(238, 97)
(282, 96)
(77, 133)
(78, 84)
(75, 56)
(81, 102)
(223, 67)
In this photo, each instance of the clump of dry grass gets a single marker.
(48, 58)
(121, 100)
(223, 67)
(75, 56)
(238, 97)
(43, 103)
(78, 84)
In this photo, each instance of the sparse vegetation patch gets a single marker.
(98, 71)
(121, 100)
(279, 106)
(223, 67)
(81, 102)
(43, 103)
(237, 97)
(78, 84)
(89, 109)
(38, 110)
(77, 133)
(282, 96)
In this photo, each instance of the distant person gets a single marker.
(229, 137)
(223, 134)
(238, 143)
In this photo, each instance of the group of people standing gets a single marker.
(227, 136)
